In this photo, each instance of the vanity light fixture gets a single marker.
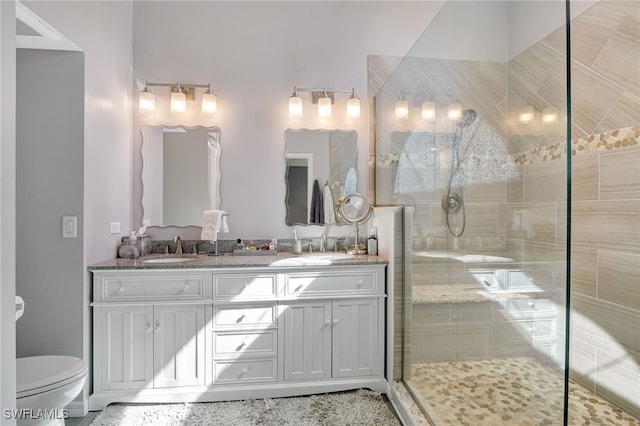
(454, 112)
(324, 98)
(295, 104)
(429, 111)
(353, 105)
(180, 94)
(526, 115)
(146, 100)
(324, 105)
(549, 115)
(402, 109)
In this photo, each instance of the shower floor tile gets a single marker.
(512, 391)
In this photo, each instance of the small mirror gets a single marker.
(327, 156)
(354, 209)
(180, 174)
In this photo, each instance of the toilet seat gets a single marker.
(38, 374)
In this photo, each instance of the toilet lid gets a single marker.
(40, 373)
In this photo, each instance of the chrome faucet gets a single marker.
(178, 242)
(323, 243)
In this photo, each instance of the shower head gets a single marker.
(468, 118)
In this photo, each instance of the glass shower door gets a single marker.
(470, 137)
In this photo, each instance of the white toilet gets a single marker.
(47, 384)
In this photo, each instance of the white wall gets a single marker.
(7, 206)
(253, 53)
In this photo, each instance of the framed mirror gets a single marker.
(327, 156)
(180, 174)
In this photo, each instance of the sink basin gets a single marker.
(325, 256)
(168, 260)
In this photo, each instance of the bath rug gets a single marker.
(361, 407)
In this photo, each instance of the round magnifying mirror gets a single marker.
(354, 209)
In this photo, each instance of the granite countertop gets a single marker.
(465, 293)
(230, 261)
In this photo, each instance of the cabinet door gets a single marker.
(355, 337)
(126, 347)
(307, 333)
(178, 345)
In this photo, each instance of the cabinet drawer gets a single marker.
(249, 286)
(329, 284)
(538, 306)
(226, 343)
(153, 287)
(245, 316)
(234, 371)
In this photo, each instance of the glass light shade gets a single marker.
(549, 116)
(428, 111)
(353, 108)
(295, 106)
(402, 109)
(526, 115)
(324, 107)
(209, 103)
(178, 102)
(146, 101)
(454, 112)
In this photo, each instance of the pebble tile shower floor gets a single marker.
(512, 391)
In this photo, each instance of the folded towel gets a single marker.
(213, 221)
(329, 212)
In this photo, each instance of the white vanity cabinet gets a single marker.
(332, 324)
(148, 329)
(208, 334)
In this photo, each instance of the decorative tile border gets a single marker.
(616, 139)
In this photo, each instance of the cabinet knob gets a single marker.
(240, 318)
(532, 304)
(335, 321)
(244, 371)
(156, 328)
(120, 289)
(185, 288)
(360, 283)
(149, 328)
(327, 323)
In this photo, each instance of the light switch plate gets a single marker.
(69, 226)
(114, 227)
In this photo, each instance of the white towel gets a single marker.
(329, 212)
(213, 221)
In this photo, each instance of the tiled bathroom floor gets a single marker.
(513, 391)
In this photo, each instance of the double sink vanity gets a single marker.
(205, 328)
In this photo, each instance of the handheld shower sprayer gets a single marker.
(453, 202)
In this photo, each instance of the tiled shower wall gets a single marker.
(605, 250)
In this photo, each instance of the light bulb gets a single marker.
(295, 104)
(454, 112)
(402, 109)
(324, 107)
(526, 115)
(549, 116)
(209, 102)
(428, 111)
(178, 100)
(146, 100)
(353, 106)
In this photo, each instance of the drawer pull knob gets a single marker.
(157, 328)
(120, 289)
(244, 371)
(335, 321)
(148, 329)
(327, 323)
(532, 304)
(300, 287)
(184, 288)
(360, 283)
(240, 346)
(240, 318)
